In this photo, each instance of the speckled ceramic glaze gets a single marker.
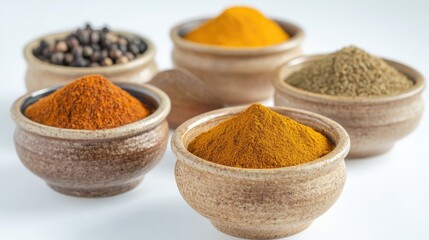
(260, 203)
(235, 75)
(374, 124)
(41, 74)
(97, 163)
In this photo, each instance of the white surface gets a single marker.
(385, 197)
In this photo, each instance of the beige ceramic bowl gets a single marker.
(93, 163)
(235, 75)
(374, 124)
(41, 74)
(260, 203)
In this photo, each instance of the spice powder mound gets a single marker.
(260, 138)
(91, 102)
(350, 72)
(239, 27)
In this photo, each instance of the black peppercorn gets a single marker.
(115, 53)
(72, 42)
(122, 59)
(68, 58)
(77, 51)
(87, 51)
(106, 62)
(61, 46)
(134, 49)
(57, 58)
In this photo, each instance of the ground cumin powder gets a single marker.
(260, 138)
(351, 72)
(91, 102)
(239, 27)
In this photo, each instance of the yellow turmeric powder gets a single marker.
(239, 27)
(260, 138)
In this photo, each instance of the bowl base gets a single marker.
(261, 233)
(364, 153)
(98, 192)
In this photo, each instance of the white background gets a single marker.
(385, 197)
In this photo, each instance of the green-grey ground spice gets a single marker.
(350, 72)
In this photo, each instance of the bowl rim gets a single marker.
(337, 154)
(293, 42)
(31, 60)
(284, 87)
(142, 125)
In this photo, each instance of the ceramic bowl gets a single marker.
(97, 163)
(374, 124)
(260, 203)
(235, 75)
(42, 74)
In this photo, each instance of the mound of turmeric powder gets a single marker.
(239, 27)
(260, 138)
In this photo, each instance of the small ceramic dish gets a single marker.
(374, 124)
(97, 163)
(235, 75)
(260, 203)
(42, 74)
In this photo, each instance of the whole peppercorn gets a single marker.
(43, 44)
(68, 59)
(111, 37)
(80, 62)
(142, 47)
(107, 62)
(122, 59)
(83, 36)
(96, 57)
(96, 47)
(87, 51)
(112, 46)
(57, 58)
(115, 53)
(122, 41)
(129, 55)
(77, 51)
(48, 51)
(123, 48)
(88, 26)
(61, 46)
(72, 42)
(134, 49)
(95, 37)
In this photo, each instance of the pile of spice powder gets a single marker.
(260, 138)
(239, 27)
(91, 102)
(350, 72)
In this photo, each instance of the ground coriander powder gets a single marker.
(350, 72)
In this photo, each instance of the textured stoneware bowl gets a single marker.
(41, 74)
(235, 75)
(98, 163)
(374, 124)
(260, 203)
